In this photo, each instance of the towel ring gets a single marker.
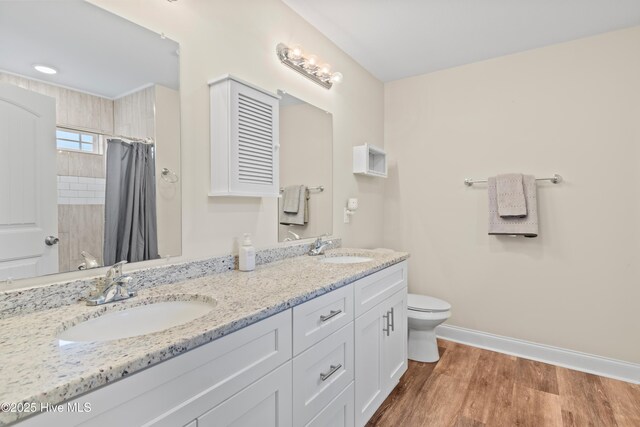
(169, 176)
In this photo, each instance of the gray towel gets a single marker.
(301, 216)
(510, 196)
(527, 226)
(291, 198)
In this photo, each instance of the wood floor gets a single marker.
(471, 387)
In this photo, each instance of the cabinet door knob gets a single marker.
(332, 313)
(332, 370)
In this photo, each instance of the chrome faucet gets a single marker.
(89, 261)
(113, 287)
(319, 246)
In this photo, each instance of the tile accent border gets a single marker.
(590, 363)
(56, 294)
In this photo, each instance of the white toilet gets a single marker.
(425, 313)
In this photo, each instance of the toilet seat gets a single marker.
(426, 304)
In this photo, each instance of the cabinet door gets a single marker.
(254, 142)
(394, 343)
(338, 413)
(265, 403)
(369, 381)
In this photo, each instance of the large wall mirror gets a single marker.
(89, 140)
(306, 170)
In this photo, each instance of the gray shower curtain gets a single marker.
(131, 227)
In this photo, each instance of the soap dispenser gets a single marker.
(247, 255)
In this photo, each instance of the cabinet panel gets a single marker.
(338, 413)
(372, 290)
(320, 317)
(321, 373)
(266, 403)
(394, 344)
(369, 382)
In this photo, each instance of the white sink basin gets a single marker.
(347, 259)
(136, 321)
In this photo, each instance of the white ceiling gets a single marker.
(394, 39)
(93, 50)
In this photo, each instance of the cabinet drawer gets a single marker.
(321, 373)
(320, 317)
(338, 413)
(266, 403)
(372, 290)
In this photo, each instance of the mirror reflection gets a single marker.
(89, 140)
(306, 159)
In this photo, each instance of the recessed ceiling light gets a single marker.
(45, 70)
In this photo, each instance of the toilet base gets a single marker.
(423, 346)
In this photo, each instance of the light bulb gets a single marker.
(311, 62)
(325, 70)
(294, 52)
(336, 77)
(45, 69)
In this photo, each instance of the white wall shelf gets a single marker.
(369, 160)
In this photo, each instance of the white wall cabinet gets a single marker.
(343, 369)
(244, 139)
(380, 341)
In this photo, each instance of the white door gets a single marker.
(369, 381)
(28, 193)
(265, 403)
(394, 344)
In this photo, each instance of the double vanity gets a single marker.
(303, 341)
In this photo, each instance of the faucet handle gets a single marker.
(116, 269)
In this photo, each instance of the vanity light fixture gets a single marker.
(307, 65)
(45, 69)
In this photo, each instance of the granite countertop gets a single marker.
(35, 368)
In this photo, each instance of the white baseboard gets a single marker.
(617, 369)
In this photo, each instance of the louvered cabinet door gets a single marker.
(254, 141)
(244, 139)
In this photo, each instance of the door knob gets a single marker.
(51, 240)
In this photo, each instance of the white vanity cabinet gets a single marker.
(328, 362)
(182, 389)
(380, 338)
(244, 139)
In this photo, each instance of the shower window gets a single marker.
(76, 140)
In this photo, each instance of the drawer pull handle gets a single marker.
(392, 325)
(386, 317)
(332, 313)
(333, 369)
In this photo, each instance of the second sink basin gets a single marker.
(136, 321)
(345, 259)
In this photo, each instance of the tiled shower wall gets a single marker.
(81, 185)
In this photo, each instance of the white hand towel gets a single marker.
(510, 196)
(527, 226)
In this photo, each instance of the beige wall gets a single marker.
(306, 141)
(239, 37)
(572, 109)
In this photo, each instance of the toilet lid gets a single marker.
(425, 303)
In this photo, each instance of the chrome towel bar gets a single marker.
(555, 179)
